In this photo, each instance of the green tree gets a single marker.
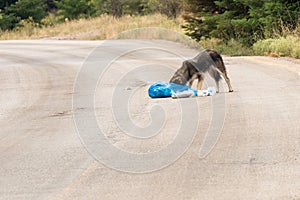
(244, 20)
(50, 6)
(170, 8)
(8, 21)
(234, 22)
(198, 17)
(136, 7)
(74, 9)
(101, 6)
(117, 8)
(6, 3)
(278, 15)
(112, 7)
(22, 10)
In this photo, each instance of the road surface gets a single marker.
(256, 154)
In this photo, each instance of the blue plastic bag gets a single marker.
(162, 90)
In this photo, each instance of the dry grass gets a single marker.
(103, 27)
(154, 26)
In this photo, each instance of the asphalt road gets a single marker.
(240, 145)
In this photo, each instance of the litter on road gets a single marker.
(164, 90)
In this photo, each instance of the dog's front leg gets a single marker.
(190, 83)
(200, 82)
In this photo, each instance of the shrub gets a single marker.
(283, 46)
(50, 20)
(263, 46)
(27, 26)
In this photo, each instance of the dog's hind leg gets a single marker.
(216, 75)
(227, 81)
(221, 68)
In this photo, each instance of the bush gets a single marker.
(27, 26)
(283, 46)
(296, 51)
(50, 20)
(263, 46)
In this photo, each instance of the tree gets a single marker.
(6, 3)
(118, 8)
(28, 8)
(74, 9)
(170, 8)
(112, 7)
(8, 21)
(234, 22)
(101, 6)
(244, 20)
(195, 15)
(22, 10)
(136, 7)
(50, 6)
(278, 15)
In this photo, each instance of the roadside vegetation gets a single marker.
(97, 28)
(233, 27)
(276, 47)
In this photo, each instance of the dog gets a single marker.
(206, 61)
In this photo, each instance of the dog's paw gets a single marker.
(230, 90)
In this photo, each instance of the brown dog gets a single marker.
(206, 61)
